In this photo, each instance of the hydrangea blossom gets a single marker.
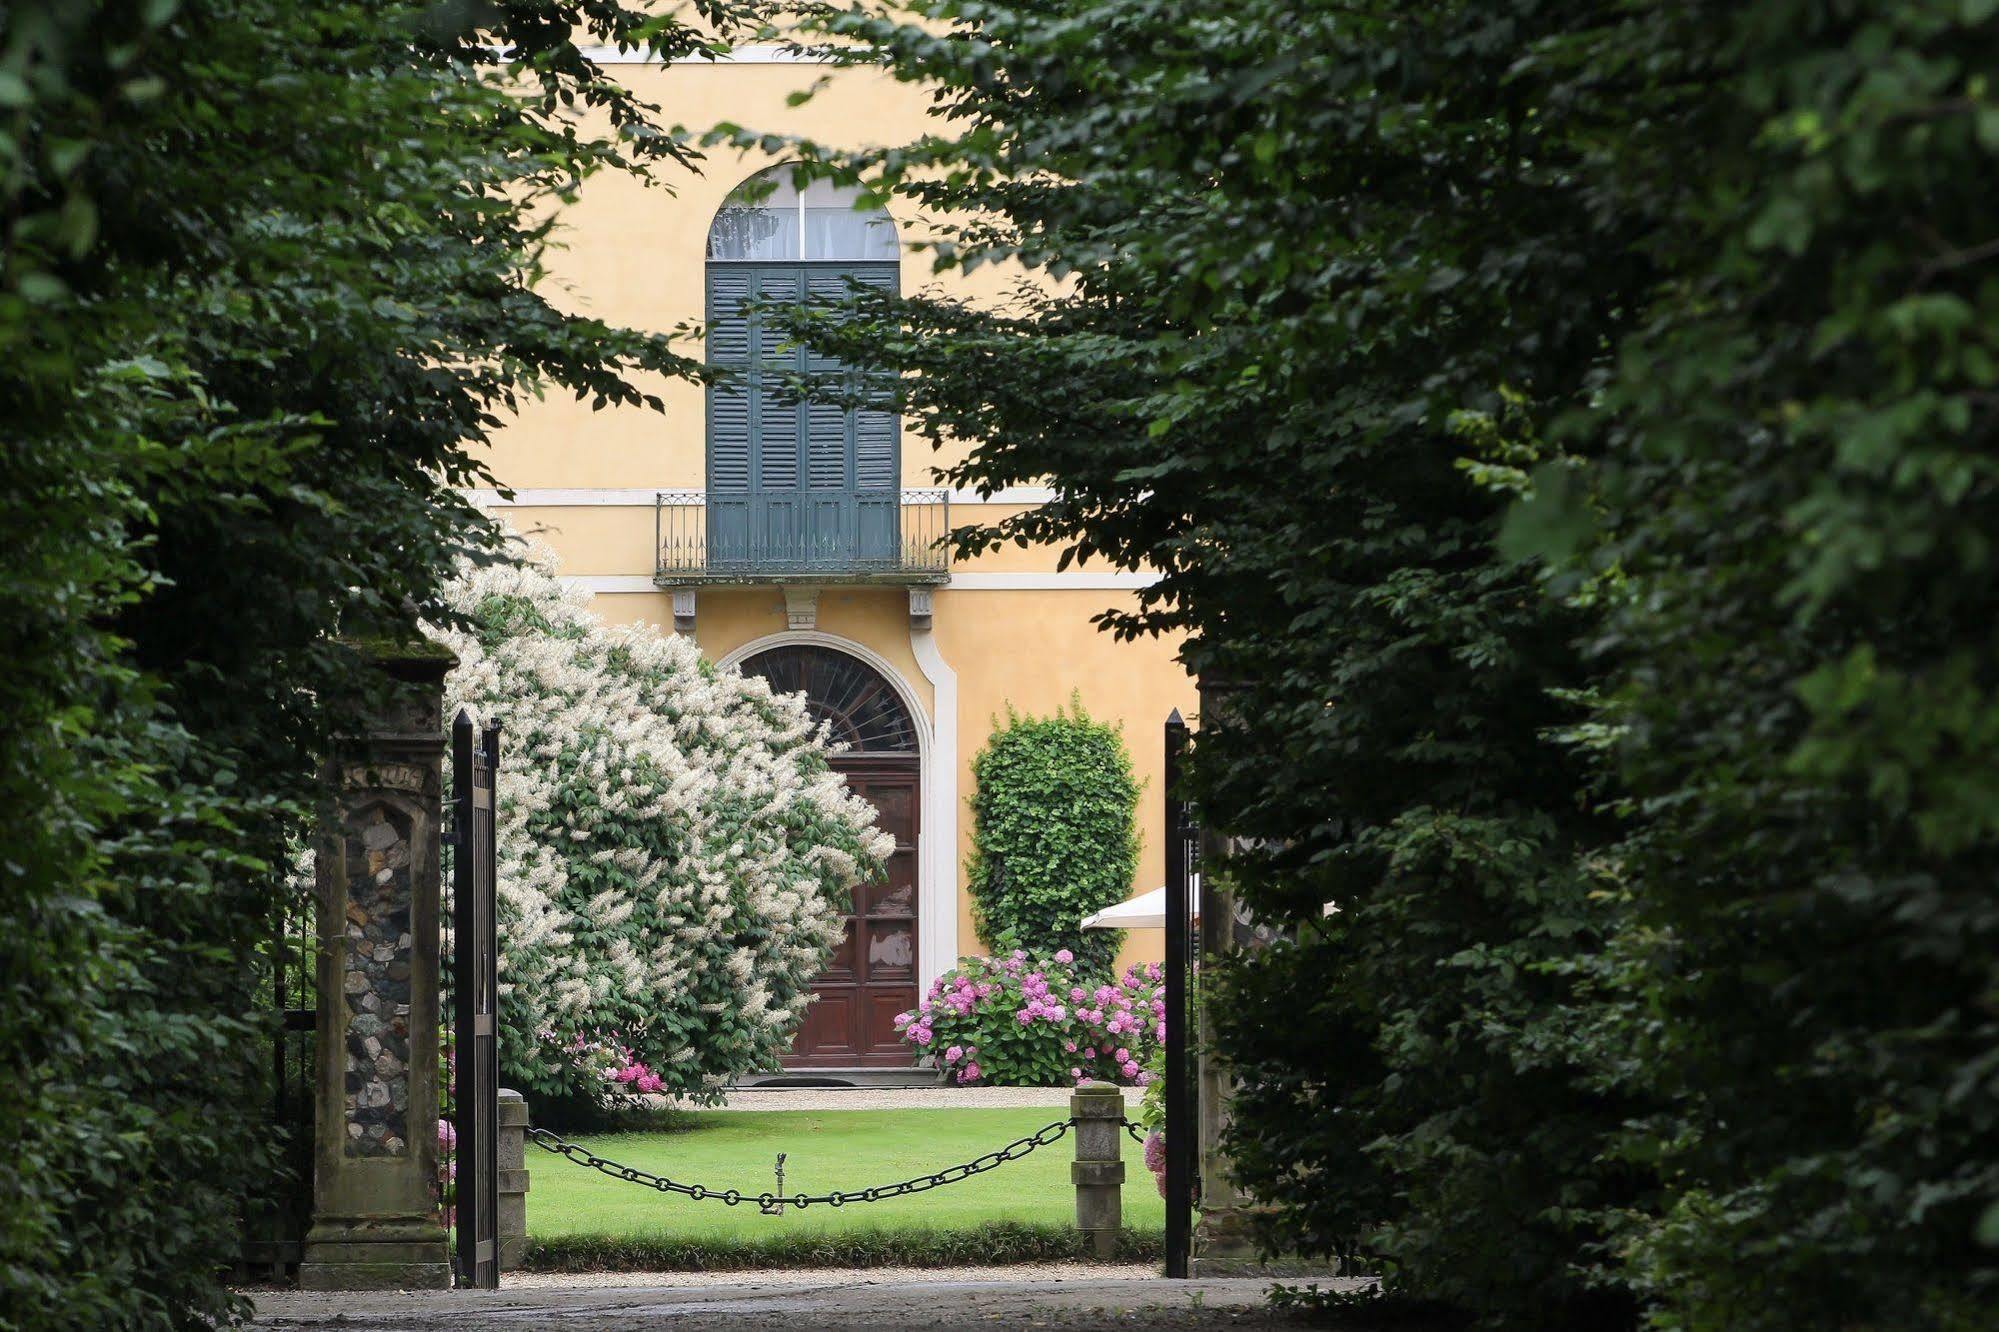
(1031, 1016)
(674, 852)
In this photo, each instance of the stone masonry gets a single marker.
(377, 983)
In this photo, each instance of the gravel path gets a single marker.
(901, 1098)
(795, 1300)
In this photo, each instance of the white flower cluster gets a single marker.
(674, 852)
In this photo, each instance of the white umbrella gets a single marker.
(1144, 912)
(1148, 911)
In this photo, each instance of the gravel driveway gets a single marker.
(1074, 1298)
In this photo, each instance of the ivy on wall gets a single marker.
(1054, 833)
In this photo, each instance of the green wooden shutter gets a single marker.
(877, 467)
(730, 418)
(793, 484)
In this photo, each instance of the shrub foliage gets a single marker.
(1565, 430)
(1054, 834)
(1040, 1021)
(267, 285)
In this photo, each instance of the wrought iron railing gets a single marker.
(886, 535)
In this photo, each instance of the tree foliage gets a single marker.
(1054, 834)
(266, 286)
(1563, 431)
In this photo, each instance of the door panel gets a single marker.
(851, 1022)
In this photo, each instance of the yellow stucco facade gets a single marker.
(1007, 628)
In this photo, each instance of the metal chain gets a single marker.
(771, 1202)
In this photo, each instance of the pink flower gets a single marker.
(954, 1054)
(1129, 1069)
(1076, 993)
(1123, 1055)
(1063, 955)
(1057, 1013)
(973, 1073)
(447, 1134)
(1076, 1073)
(1068, 1047)
(1090, 1052)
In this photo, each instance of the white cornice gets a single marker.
(758, 53)
(601, 583)
(583, 497)
(1048, 582)
(963, 582)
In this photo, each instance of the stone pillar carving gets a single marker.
(374, 1198)
(1098, 1170)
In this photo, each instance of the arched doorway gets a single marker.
(873, 973)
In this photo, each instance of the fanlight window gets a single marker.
(769, 219)
(866, 713)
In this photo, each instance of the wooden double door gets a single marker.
(872, 976)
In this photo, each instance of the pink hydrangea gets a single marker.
(1064, 956)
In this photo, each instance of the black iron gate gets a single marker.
(1182, 943)
(475, 1002)
(278, 1210)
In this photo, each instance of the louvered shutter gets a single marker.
(794, 484)
(730, 419)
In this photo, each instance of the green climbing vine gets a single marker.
(1054, 833)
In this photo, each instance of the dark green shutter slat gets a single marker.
(794, 484)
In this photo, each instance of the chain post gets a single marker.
(1098, 1170)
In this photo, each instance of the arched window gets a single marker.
(795, 484)
(865, 712)
(768, 218)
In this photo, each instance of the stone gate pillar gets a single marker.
(376, 867)
(1225, 1232)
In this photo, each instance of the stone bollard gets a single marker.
(1098, 1170)
(511, 1224)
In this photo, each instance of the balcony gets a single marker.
(808, 536)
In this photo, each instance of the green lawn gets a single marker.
(825, 1151)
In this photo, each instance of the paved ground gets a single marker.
(965, 1298)
(900, 1098)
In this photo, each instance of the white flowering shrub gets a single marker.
(674, 852)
